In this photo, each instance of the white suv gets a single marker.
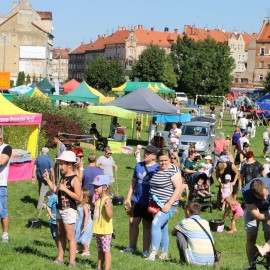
(181, 97)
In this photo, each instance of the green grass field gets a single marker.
(34, 248)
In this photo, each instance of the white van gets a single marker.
(181, 97)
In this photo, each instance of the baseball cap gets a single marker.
(101, 180)
(152, 149)
(228, 176)
(48, 193)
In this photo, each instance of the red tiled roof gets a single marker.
(97, 45)
(45, 15)
(118, 37)
(264, 35)
(248, 38)
(60, 51)
(80, 49)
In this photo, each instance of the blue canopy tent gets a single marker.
(264, 104)
(20, 90)
(173, 118)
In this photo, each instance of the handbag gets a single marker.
(153, 207)
(217, 254)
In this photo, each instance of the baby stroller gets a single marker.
(193, 196)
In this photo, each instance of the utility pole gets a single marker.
(4, 55)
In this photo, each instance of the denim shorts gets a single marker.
(68, 215)
(3, 202)
(252, 225)
(54, 231)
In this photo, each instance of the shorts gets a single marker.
(104, 242)
(138, 128)
(252, 225)
(239, 212)
(68, 215)
(141, 211)
(54, 231)
(3, 202)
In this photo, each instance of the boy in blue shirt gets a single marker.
(51, 210)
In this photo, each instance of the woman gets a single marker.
(107, 163)
(219, 144)
(166, 184)
(152, 128)
(68, 191)
(138, 199)
(237, 134)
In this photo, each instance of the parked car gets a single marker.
(181, 97)
(201, 131)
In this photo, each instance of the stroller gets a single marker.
(193, 196)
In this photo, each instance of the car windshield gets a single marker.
(195, 131)
(181, 95)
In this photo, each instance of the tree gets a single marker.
(28, 79)
(21, 78)
(104, 74)
(150, 66)
(203, 66)
(169, 77)
(34, 79)
(266, 83)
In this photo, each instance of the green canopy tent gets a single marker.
(46, 86)
(81, 93)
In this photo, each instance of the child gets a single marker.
(137, 153)
(83, 227)
(51, 210)
(208, 167)
(200, 187)
(102, 221)
(174, 147)
(220, 118)
(138, 127)
(266, 166)
(226, 189)
(234, 207)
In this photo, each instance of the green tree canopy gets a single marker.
(104, 74)
(202, 66)
(21, 78)
(266, 82)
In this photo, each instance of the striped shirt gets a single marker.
(200, 250)
(162, 186)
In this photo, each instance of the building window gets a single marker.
(131, 52)
(261, 51)
(261, 64)
(260, 77)
(130, 63)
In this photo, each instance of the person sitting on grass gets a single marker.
(193, 244)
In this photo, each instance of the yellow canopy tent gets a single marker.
(132, 86)
(11, 115)
(102, 98)
(35, 92)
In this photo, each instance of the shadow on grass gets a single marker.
(28, 199)
(42, 243)
(33, 251)
(129, 168)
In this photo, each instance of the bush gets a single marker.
(54, 123)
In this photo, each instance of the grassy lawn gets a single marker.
(34, 248)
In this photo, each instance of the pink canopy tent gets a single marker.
(70, 85)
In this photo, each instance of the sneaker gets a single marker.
(152, 257)
(145, 254)
(164, 256)
(5, 239)
(128, 249)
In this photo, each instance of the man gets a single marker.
(233, 113)
(5, 154)
(42, 164)
(60, 149)
(257, 199)
(242, 140)
(266, 148)
(90, 172)
(139, 191)
(175, 133)
(193, 243)
(251, 169)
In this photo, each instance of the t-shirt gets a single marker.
(243, 122)
(173, 133)
(107, 164)
(199, 250)
(52, 204)
(241, 141)
(190, 164)
(60, 149)
(43, 163)
(219, 145)
(89, 173)
(162, 186)
(4, 168)
(141, 192)
(251, 170)
(249, 197)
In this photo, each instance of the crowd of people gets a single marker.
(79, 202)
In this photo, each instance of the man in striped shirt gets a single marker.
(194, 245)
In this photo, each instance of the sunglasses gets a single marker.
(173, 158)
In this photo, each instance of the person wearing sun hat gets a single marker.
(68, 191)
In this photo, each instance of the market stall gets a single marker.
(22, 160)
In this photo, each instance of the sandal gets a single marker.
(85, 253)
(57, 261)
(164, 256)
(72, 265)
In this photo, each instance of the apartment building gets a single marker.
(26, 41)
(60, 65)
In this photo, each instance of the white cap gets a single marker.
(267, 159)
(208, 157)
(228, 176)
(67, 156)
(139, 146)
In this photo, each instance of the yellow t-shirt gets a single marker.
(101, 223)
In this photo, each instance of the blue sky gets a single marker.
(84, 20)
